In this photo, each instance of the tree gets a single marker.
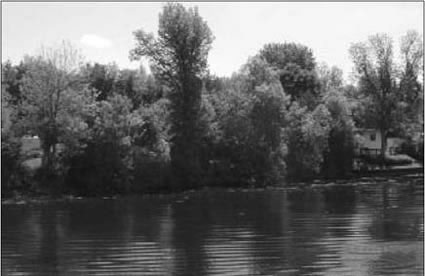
(10, 145)
(101, 78)
(411, 49)
(411, 89)
(338, 156)
(307, 139)
(12, 80)
(330, 78)
(104, 164)
(267, 116)
(48, 85)
(151, 90)
(386, 90)
(126, 85)
(246, 115)
(373, 61)
(179, 59)
(296, 65)
(11, 169)
(231, 140)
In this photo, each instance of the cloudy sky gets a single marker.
(103, 31)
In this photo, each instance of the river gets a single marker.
(373, 226)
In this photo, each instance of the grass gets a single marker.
(399, 159)
(32, 164)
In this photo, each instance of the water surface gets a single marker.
(373, 228)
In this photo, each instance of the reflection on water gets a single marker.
(371, 229)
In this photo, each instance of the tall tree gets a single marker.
(49, 85)
(179, 59)
(412, 63)
(296, 65)
(267, 111)
(307, 136)
(386, 90)
(374, 64)
(411, 88)
(338, 156)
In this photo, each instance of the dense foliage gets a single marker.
(392, 95)
(179, 59)
(106, 130)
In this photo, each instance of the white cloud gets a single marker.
(95, 41)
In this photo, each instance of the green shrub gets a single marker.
(414, 149)
(11, 170)
(390, 160)
(151, 175)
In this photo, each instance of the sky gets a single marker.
(104, 31)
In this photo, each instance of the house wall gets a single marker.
(394, 142)
(30, 144)
(366, 140)
(5, 118)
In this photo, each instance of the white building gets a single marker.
(370, 140)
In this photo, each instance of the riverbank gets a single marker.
(20, 198)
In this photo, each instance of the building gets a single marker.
(368, 141)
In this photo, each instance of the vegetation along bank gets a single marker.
(95, 129)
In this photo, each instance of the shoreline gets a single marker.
(20, 198)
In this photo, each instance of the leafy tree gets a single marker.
(339, 154)
(133, 84)
(269, 106)
(150, 127)
(108, 80)
(104, 166)
(412, 60)
(214, 83)
(150, 145)
(12, 79)
(307, 138)
(179, 58)
(307, 122)
(12, 76)
(329, 78)
(11, 169)
(411, 89)
(247, 119)
(296, 65)
(48, 85)
(232, 144)
(151, 90)
(100, 78)
(380, 84)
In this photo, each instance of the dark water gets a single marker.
(375, 228)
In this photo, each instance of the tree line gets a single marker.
(282, 116)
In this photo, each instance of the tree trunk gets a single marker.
(383, 145)
(47, 159)
(185, 147)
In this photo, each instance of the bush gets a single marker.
(151, 175)
(390, 160)
(98, 170)
(414, 149)
(11, 170)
